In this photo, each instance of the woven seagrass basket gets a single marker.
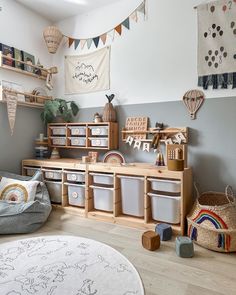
(212, 221)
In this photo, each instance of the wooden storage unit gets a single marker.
(83, 136)
(135, 169)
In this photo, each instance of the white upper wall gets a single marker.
(155, 61)
(21, 28)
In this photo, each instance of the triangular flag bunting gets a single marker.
(82, 43)
(119, 29)
(111, 33)
(77, 41)
(103, 38)
(134, 16)
(141, 8)
(96, 41)
(89, 43)
(126, 23)
(71, 41)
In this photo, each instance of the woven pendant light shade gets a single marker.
(52, 36)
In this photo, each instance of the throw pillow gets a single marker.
(17, 191)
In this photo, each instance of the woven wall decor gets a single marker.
(193, 100)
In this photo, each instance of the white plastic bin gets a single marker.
(132, 195)
(52, 174)
(78, 141)
(75, 176)
(99, 130)
(58, 130)
(99, 142)
(103, 198)
(55, 191)
(165, 208)
(77, 130)
(100, 178)
(58, 140)
(76, 195)
(165, 185)
(30, 171)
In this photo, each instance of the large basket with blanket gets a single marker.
(212, 221)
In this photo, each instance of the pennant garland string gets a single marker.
(111, 33)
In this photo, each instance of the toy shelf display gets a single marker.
(101, 136)
(101, 191)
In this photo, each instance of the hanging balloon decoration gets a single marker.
(193, 100)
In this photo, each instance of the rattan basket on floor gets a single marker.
(212, 221)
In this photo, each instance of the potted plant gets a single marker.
(59, 110)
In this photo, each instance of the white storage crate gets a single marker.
(100, 178)
(132, 195)
(99, 130)
(58, 140)
(78, 141)
(165, 185)
(99, 142)
(77, 130)
(103, 198)
(55, 191)
(76, 195)
(30, 171)
(75, 176)
(58, 130)
(52, 174)
(165, 208)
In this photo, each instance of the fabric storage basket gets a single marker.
(77, 130)
(99, 130)
(30, 171)
(99, 142)
(165, 208)
(212, 221)
(75, 176)
(103, 198)
(165, 185)
(58, 140)
(58, 130)
(52, 174)
(102, 178)
(77, 141)
(76, 195)
(55, 191)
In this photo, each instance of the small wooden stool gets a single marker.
(164, 230)
(151, 240)
(184, 247)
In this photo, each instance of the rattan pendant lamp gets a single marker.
(52, 36)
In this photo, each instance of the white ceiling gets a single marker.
(56, 10)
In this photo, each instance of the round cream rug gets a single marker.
(65, 265)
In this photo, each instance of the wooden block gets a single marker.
(164, 230)
(184, 247)
(151, 240)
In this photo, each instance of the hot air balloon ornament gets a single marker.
(193, 100)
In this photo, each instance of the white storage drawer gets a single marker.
(78, 141)
(75, 176)
(77, 130)
(58, 140)
(132, 195)
(165, 208)
(52, 174)
(76, 195)
(58, 130)
(165, 185)
(103, 198)
(30, 171)
(100, 178)
(99, 130)
(99, 142)
(55, 191)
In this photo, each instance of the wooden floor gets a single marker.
(162, 271)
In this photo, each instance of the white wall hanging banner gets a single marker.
(216, 44)
(87, 73)
(11, 109)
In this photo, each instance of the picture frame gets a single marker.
(30, 60)
(17, 53)
(7, 51)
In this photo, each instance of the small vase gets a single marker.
(109, 113)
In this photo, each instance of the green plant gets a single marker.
(59, 107)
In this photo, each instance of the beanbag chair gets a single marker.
(25, 217)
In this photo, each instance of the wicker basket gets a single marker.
(52, 37)
(212, 221)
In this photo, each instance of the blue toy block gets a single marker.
(184, 247)
(164, 230)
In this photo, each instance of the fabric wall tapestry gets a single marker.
(87, 73)
(11, 109)
(217, 44)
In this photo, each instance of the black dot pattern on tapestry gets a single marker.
(234, 56)
(233, 27)
(212, 8)
(215, 58)
(213, 31)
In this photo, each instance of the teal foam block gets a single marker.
(184, 247)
